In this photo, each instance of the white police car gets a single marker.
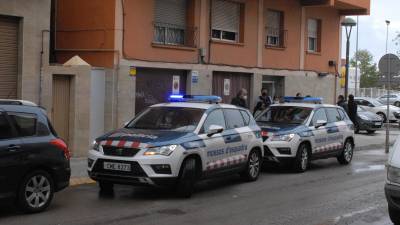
(297, 133)
(179, 143)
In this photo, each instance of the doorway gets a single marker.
(61, 105)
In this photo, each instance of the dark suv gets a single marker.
(34, 162)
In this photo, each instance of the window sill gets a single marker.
(275, 48)
(227, 42)
(177, 47)
(313, 53)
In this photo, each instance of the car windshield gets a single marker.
(168, 118)
(285, 115)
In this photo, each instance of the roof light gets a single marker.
(195, 98)
(315, 100)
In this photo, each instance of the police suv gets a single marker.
(302, 129)
(178, 143)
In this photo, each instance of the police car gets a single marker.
(302, 129)
(178, 143)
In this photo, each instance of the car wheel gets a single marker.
(106, 186)
(302, 159)
(187, 178)
(35, 192)
(347, 153)
(394, 215)
(370, 131)
(383, 116)
(253, 166)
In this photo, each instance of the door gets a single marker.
(333, 128)
(227, 85)
(320, 139)
(61, 105)
(10, 156)
(270, 86)
(8, 57)
(154, 86)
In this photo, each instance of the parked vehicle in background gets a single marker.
(394, 99)
(392, 186)
(367, 121)
(374, 106)
(34, 162)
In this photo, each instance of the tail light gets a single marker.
(264, 134)
(60, 144)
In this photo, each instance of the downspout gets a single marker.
(41, 68)
(210, 31)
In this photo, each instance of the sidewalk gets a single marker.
(79, 172)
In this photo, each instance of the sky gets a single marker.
(372, 29)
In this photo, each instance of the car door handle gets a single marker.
(13, 148)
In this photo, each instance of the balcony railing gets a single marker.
(170, 34)
(275, 37)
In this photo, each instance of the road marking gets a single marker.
(370, 168)
(348, 215)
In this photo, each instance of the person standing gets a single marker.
(352, 109)
(341, 102)
(263, 101)
(240, 99)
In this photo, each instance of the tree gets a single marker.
(368, 70)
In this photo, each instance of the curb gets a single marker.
(75, 181)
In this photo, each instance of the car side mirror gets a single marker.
(320, 123)
(214, 129)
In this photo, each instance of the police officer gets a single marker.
(352, 109)
(240, 99)
(263, 101)
(341, 102)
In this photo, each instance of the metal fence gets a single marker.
(371, 92)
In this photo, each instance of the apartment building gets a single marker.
(154, 48)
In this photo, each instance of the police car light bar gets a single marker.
(314, 100)
(195, 98)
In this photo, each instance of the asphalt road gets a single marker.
(327, 194)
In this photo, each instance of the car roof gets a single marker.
(195, 105)
(305, 105)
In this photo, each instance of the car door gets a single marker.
(236, 137)
(10, 156)
(320, 135)
(334, 129)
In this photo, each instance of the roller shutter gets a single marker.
(171, 12)
(225, 15)
(8, 57)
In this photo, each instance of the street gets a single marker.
(326, 194)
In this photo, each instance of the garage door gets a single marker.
(8, 57)
(227, 85)
(156, 85)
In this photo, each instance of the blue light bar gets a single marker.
(195, 98)
(314, 100)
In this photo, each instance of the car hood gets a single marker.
(148, 137)
(371, 116)
(280, 129)
(391, 108)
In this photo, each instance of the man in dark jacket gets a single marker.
(341, 102)
(352, 109)
(240, 99)
(263, 101)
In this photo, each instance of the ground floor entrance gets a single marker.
(227, 84)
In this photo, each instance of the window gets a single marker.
(25, 123)
(314, 35)
(233, 118)
(246, 117)
(333, 115)
(6, 131)
(274, 29)
(216, 117)
(226, 18)
(343, 114)
(319, 115)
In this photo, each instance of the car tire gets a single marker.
(253, 166)
(394, 215)
(370, 131)
(382, 115)
(187, 178)
(346, 155)
(35, 192)
(106, 186)
(302, 158)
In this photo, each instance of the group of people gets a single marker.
(350, 107)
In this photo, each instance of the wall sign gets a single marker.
(195, 77)
(227, 87)
(132, 71)
(175, 84)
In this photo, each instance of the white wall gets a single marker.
(97, 95)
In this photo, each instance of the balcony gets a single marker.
(275, 37)
(174, 35)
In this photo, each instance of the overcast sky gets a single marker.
(372, 29)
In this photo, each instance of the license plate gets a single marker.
(377, 124)
(117, 166)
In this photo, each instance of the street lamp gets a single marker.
(348, 23)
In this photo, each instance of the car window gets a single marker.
(246, 117)
(233, 118)
(319, 115)
(342, 113)
(25, 123)
(6, 131)
(216, 117)
(333, 115)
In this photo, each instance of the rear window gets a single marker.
(246, 117)
(25, 123)
(6, 131)
(333, 115)
(234, 118)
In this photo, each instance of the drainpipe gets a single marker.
(41, 68)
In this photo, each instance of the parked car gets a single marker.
(176, 144)
(367, 121)
(34, 161)
(374, 106)
(392, 186)
(296, 133)
(394, 99)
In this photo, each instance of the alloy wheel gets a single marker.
(37, 191)
(254, 164)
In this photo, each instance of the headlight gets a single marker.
(393, 174)
(163, 150)
(285, 137)
(363, 117)
(96, 146)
